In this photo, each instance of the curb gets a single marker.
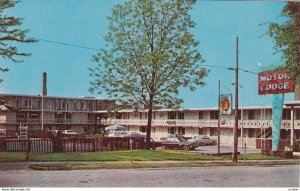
(145, 165)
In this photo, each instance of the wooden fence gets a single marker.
(268, 144)
(70, 144)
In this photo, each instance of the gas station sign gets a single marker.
(225, 104)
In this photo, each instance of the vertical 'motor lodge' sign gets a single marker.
(274, 82)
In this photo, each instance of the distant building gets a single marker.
(78, 114)
(90, 114)
(257, 123)
(43, 113)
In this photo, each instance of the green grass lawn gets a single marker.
(138, 155)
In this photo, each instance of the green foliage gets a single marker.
(10, 34)
(287, 38)
(149, 54)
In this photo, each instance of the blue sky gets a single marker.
(84, 23)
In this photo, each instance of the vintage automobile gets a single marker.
(69, 132)
(177, 143)
(200, 140)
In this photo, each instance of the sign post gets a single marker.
(224, 108)
(131, 142)
(275, 82)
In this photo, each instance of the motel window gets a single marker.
(251, 133)
(21, 115)
(200, 131)
(143, 129)
(39, 104)
(34, 115)
(153, 129)
(181, 130)
(26, 102)
(201, 115)
(119, 115)
(180, 115)
(214, 115)
(172, 115)
(63, 103)
(286, 114)
(81, 106)
(90, 106)
(250, 114)
(125, 115)
(68, 106)
(297, 116)
(68, 115)
(59, 115)
(213, 132)
(171, 130)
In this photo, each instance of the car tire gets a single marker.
(201, 144)
(164, 147)
(192, 148)
(186, 148)
(214, 142)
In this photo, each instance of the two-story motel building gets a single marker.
(43, 113)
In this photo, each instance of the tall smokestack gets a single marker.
(44, 93)
(297, 92)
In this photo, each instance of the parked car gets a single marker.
(154, 144)
(177, 143)
(200, 140)
(69, 132)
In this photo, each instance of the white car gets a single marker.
(69, 132)
(200, 140)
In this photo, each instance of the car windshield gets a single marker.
(181, 139)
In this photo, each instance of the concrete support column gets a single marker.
(292, 125)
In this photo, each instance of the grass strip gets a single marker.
(138, 155)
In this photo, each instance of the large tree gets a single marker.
(150, 53)
(11, 35)
(287, 38)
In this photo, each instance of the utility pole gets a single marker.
(236, 109)
(219, 118)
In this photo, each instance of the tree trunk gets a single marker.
(149, 124)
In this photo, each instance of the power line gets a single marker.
(229, 68)
(233, 34)
(65, 44)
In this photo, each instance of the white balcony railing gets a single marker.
(285, 124)
(201, 123)
(48, 121)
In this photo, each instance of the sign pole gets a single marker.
(236, 109)
(219, 118)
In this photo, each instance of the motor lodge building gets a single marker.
(43, 113)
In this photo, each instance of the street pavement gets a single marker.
(217, 176)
